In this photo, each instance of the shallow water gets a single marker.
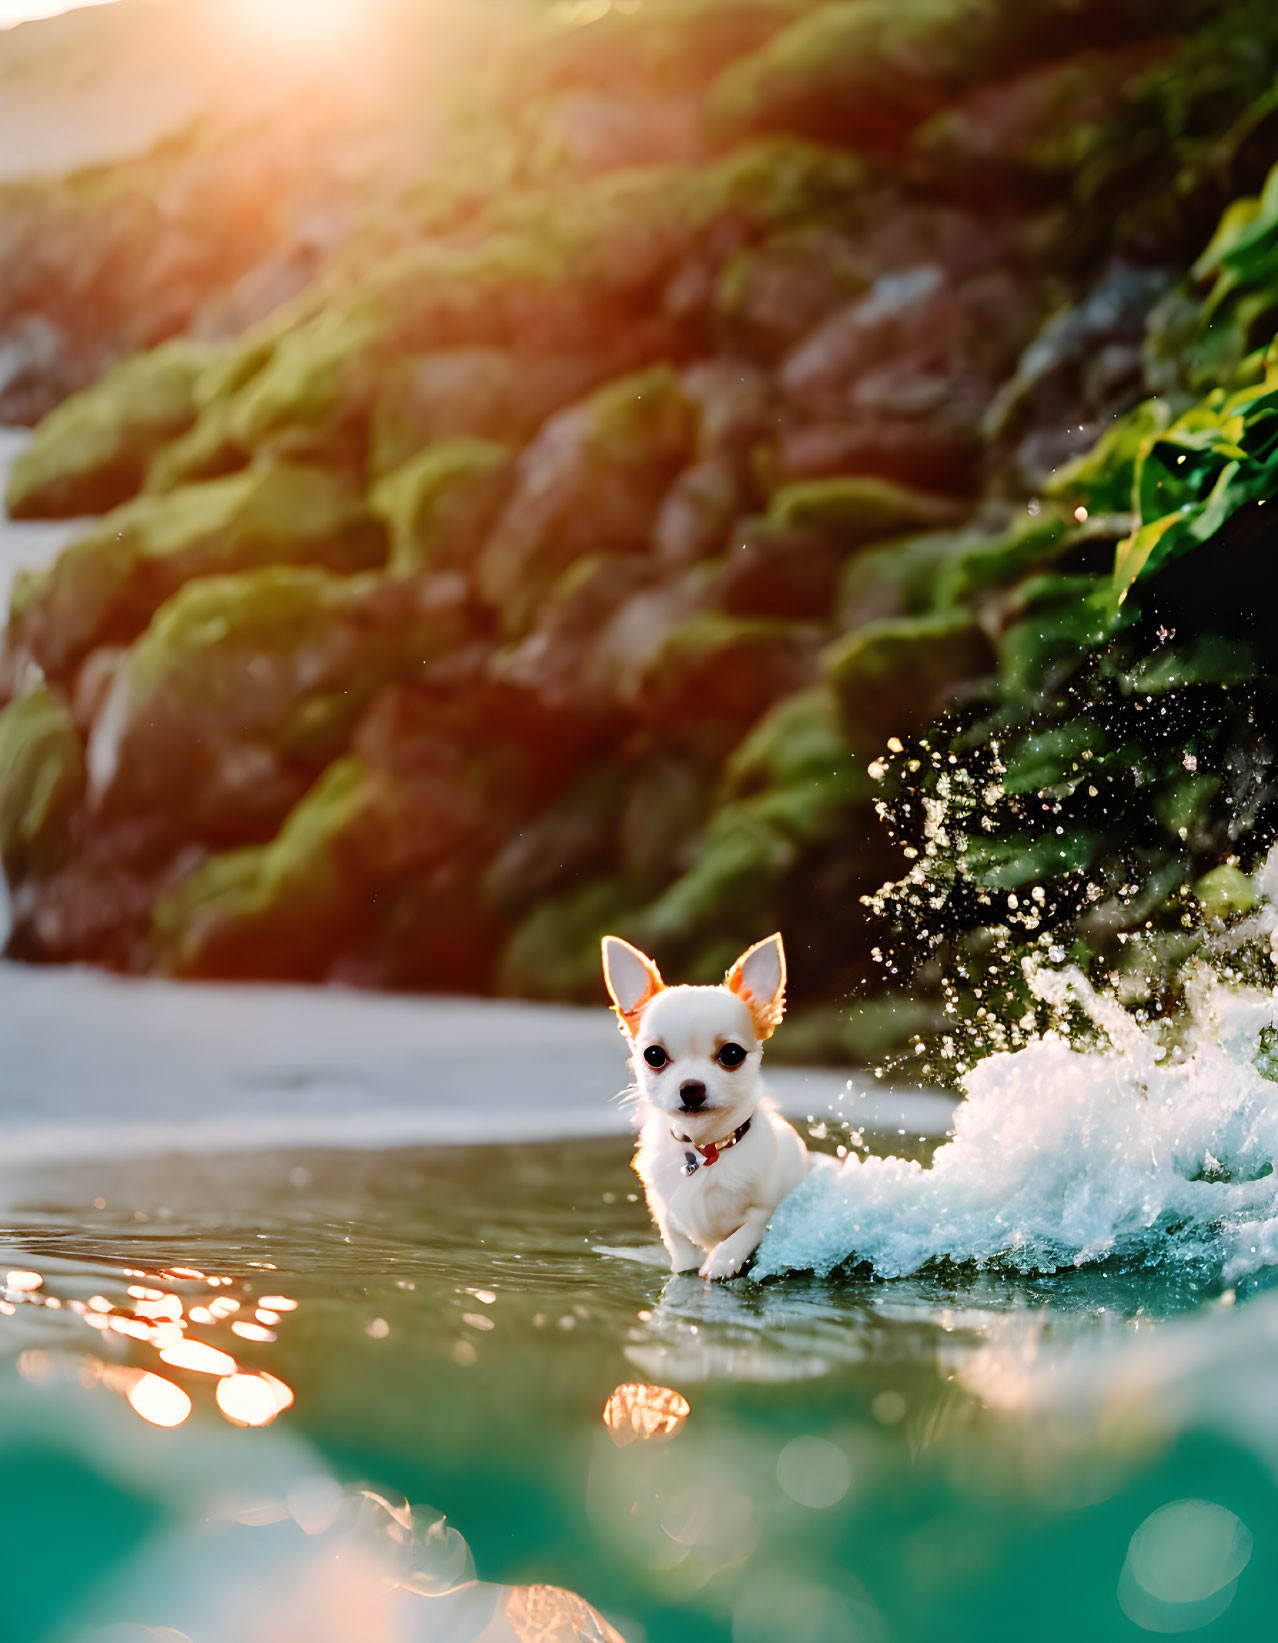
(966, 1456)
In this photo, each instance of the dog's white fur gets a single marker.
(714, 1218)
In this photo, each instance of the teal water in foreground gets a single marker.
(482, 1332)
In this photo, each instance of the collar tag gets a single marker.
(710, 1152)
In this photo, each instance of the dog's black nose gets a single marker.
(692, 1094)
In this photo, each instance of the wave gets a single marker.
(1153, 1149)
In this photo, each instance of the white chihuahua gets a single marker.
(715, 1157)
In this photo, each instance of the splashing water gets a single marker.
(1157, 1149)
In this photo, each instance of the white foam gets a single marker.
(1064, 1156)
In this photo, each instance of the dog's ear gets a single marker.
(632, 978)
(758, 979)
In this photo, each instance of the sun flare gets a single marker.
(316, 25)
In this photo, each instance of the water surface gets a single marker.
(966, 1455)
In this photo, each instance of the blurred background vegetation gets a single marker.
(596, 476)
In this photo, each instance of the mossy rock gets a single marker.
(770, 296)
(316, 378)
(862, 509)
(617, 236)
(732, 888)
(572, 837)
(726, 669)
(243, 687)
(439, 506)
(41, 783)
(869, 72)
(865, 72)
(898, 578)
(786, 790)
(207, 450)
(370, 878)
(797, 742)
(985, 561)
(553, 264)
(321, 379)
(772, 571)
(554, 952)
(107, 585)
(891, 677)
(479, 393)
(668, 798)
(590, 483)
(661, 48)
(94, 450)
(278, 909)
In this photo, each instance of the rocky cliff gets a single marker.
(739, 386)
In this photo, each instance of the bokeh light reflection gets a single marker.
(198, 1357)
(639, 1411)
(159, 1401)
(1183, 1565)
(252, 1400)
(158, 1319)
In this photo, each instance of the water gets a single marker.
(964, 1456)
(339, 1319)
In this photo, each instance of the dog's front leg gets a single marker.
(684, 1254)
(728, 1257)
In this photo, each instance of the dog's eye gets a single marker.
(655, 1056)
(731, 1055)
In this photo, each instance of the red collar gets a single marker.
(709, 1154)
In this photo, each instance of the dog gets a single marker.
(714, 1155)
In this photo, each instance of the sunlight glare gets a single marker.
(252, 1400)
(315, 25)
(253, 1332)
(199, 1357)
(159, 1401)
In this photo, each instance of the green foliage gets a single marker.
(1102, 479)
(1213, 334)
(1192, 478)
